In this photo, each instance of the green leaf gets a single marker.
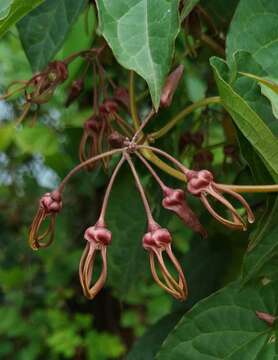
(225, 326)
(254, 29)
(248, 88)
(259, 172)
(272, 97)
(44, 30)
(148, 345)
(39, 139)
(269, 88)
(263, 246)
(188, 7)
(126, 219)
(270, 84)
(12, 11)
(141, 34)
(247, 120)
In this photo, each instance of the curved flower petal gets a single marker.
(86, 269)
(157, 241)
(177, 288)
(98, 238)
(50, 204)
(201, 184)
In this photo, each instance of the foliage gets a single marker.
(220, 114)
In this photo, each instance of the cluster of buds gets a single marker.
(97, 131)
(98, 136)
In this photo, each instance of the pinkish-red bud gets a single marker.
(198, 181)
(108, 107)
(75, 90)
(121, 95)
(51, 202)
(99, 235)
(93, 124)
(158, 238)
(170, 86)
(116, 140)
(175, 200)
(268, 318)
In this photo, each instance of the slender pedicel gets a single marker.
(108, 190)
(179, 165)
(86, 163)
(175, 200)
(143, 124)
(98, 237)
(140, 189)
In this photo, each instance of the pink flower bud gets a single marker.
(93, 124)
(198, 181)
(175, 200)
(51, 202)
(108, 107)
(158, 238)
(75, 90)
(121, 95)
(99, 235)
(268, 318)
(170, 86)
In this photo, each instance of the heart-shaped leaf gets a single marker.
(226, 326)
(141, 34)
(12, 11)
(263, 246)
(44, 30)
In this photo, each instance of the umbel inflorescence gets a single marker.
(108, 134)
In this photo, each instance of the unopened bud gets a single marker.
(170, 86)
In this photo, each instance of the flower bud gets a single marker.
(170, 86)
(175, 200)
(75, 90)
(99, 235)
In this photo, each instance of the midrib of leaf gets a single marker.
(148, 41)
